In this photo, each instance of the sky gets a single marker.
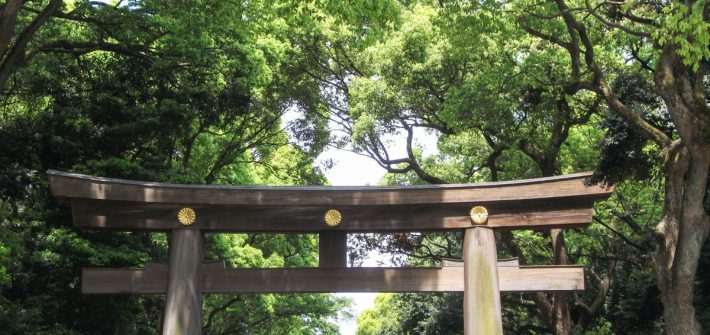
(350, 169)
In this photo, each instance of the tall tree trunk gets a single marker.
(685, 225)
(681, 234)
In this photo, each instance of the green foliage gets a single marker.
(187, 93)
(413, 314)
(685, 26)
(624, 152)
(379, 319)
(249, 93)
(504, 107)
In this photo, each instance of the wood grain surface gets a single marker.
(481, 293)
(216, 279)
(183, 304)
(122, 215)
(69, 185)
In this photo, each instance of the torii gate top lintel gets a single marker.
(105, 203)
(187, 211)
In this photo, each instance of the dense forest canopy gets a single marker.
(252, 92)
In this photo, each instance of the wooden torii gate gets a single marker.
(187, 211)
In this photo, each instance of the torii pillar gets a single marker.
(481, 293)
(183, 304)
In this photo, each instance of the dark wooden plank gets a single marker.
(124, 281)
(333, 249)
(118, 215)
(314, 280)
(67, 185)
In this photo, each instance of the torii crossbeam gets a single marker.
(187, 211)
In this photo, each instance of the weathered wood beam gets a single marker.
(332, 249)
(120, 215)
(459, 262)
(310, 280)
(69, 185)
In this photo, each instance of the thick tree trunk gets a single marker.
(681, 235)
(685, 225)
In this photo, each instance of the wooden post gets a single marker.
(183, 306)
(481, 295)
(333, 249)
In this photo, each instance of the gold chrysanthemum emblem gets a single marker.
(479, 214)
(332, 217)
(187, 216)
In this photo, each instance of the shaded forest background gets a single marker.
(250, 93)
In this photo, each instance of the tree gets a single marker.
(500, 115)
(32, 28)
(205, 107)
(675, 56)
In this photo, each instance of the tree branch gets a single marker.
(8, 20)
(617, 233)
(615, 25)
(16, 55)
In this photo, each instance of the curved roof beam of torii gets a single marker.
(562, 201)
(72, 185)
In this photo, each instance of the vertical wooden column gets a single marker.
(332, 249)
(183, 306)
(481, 296)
